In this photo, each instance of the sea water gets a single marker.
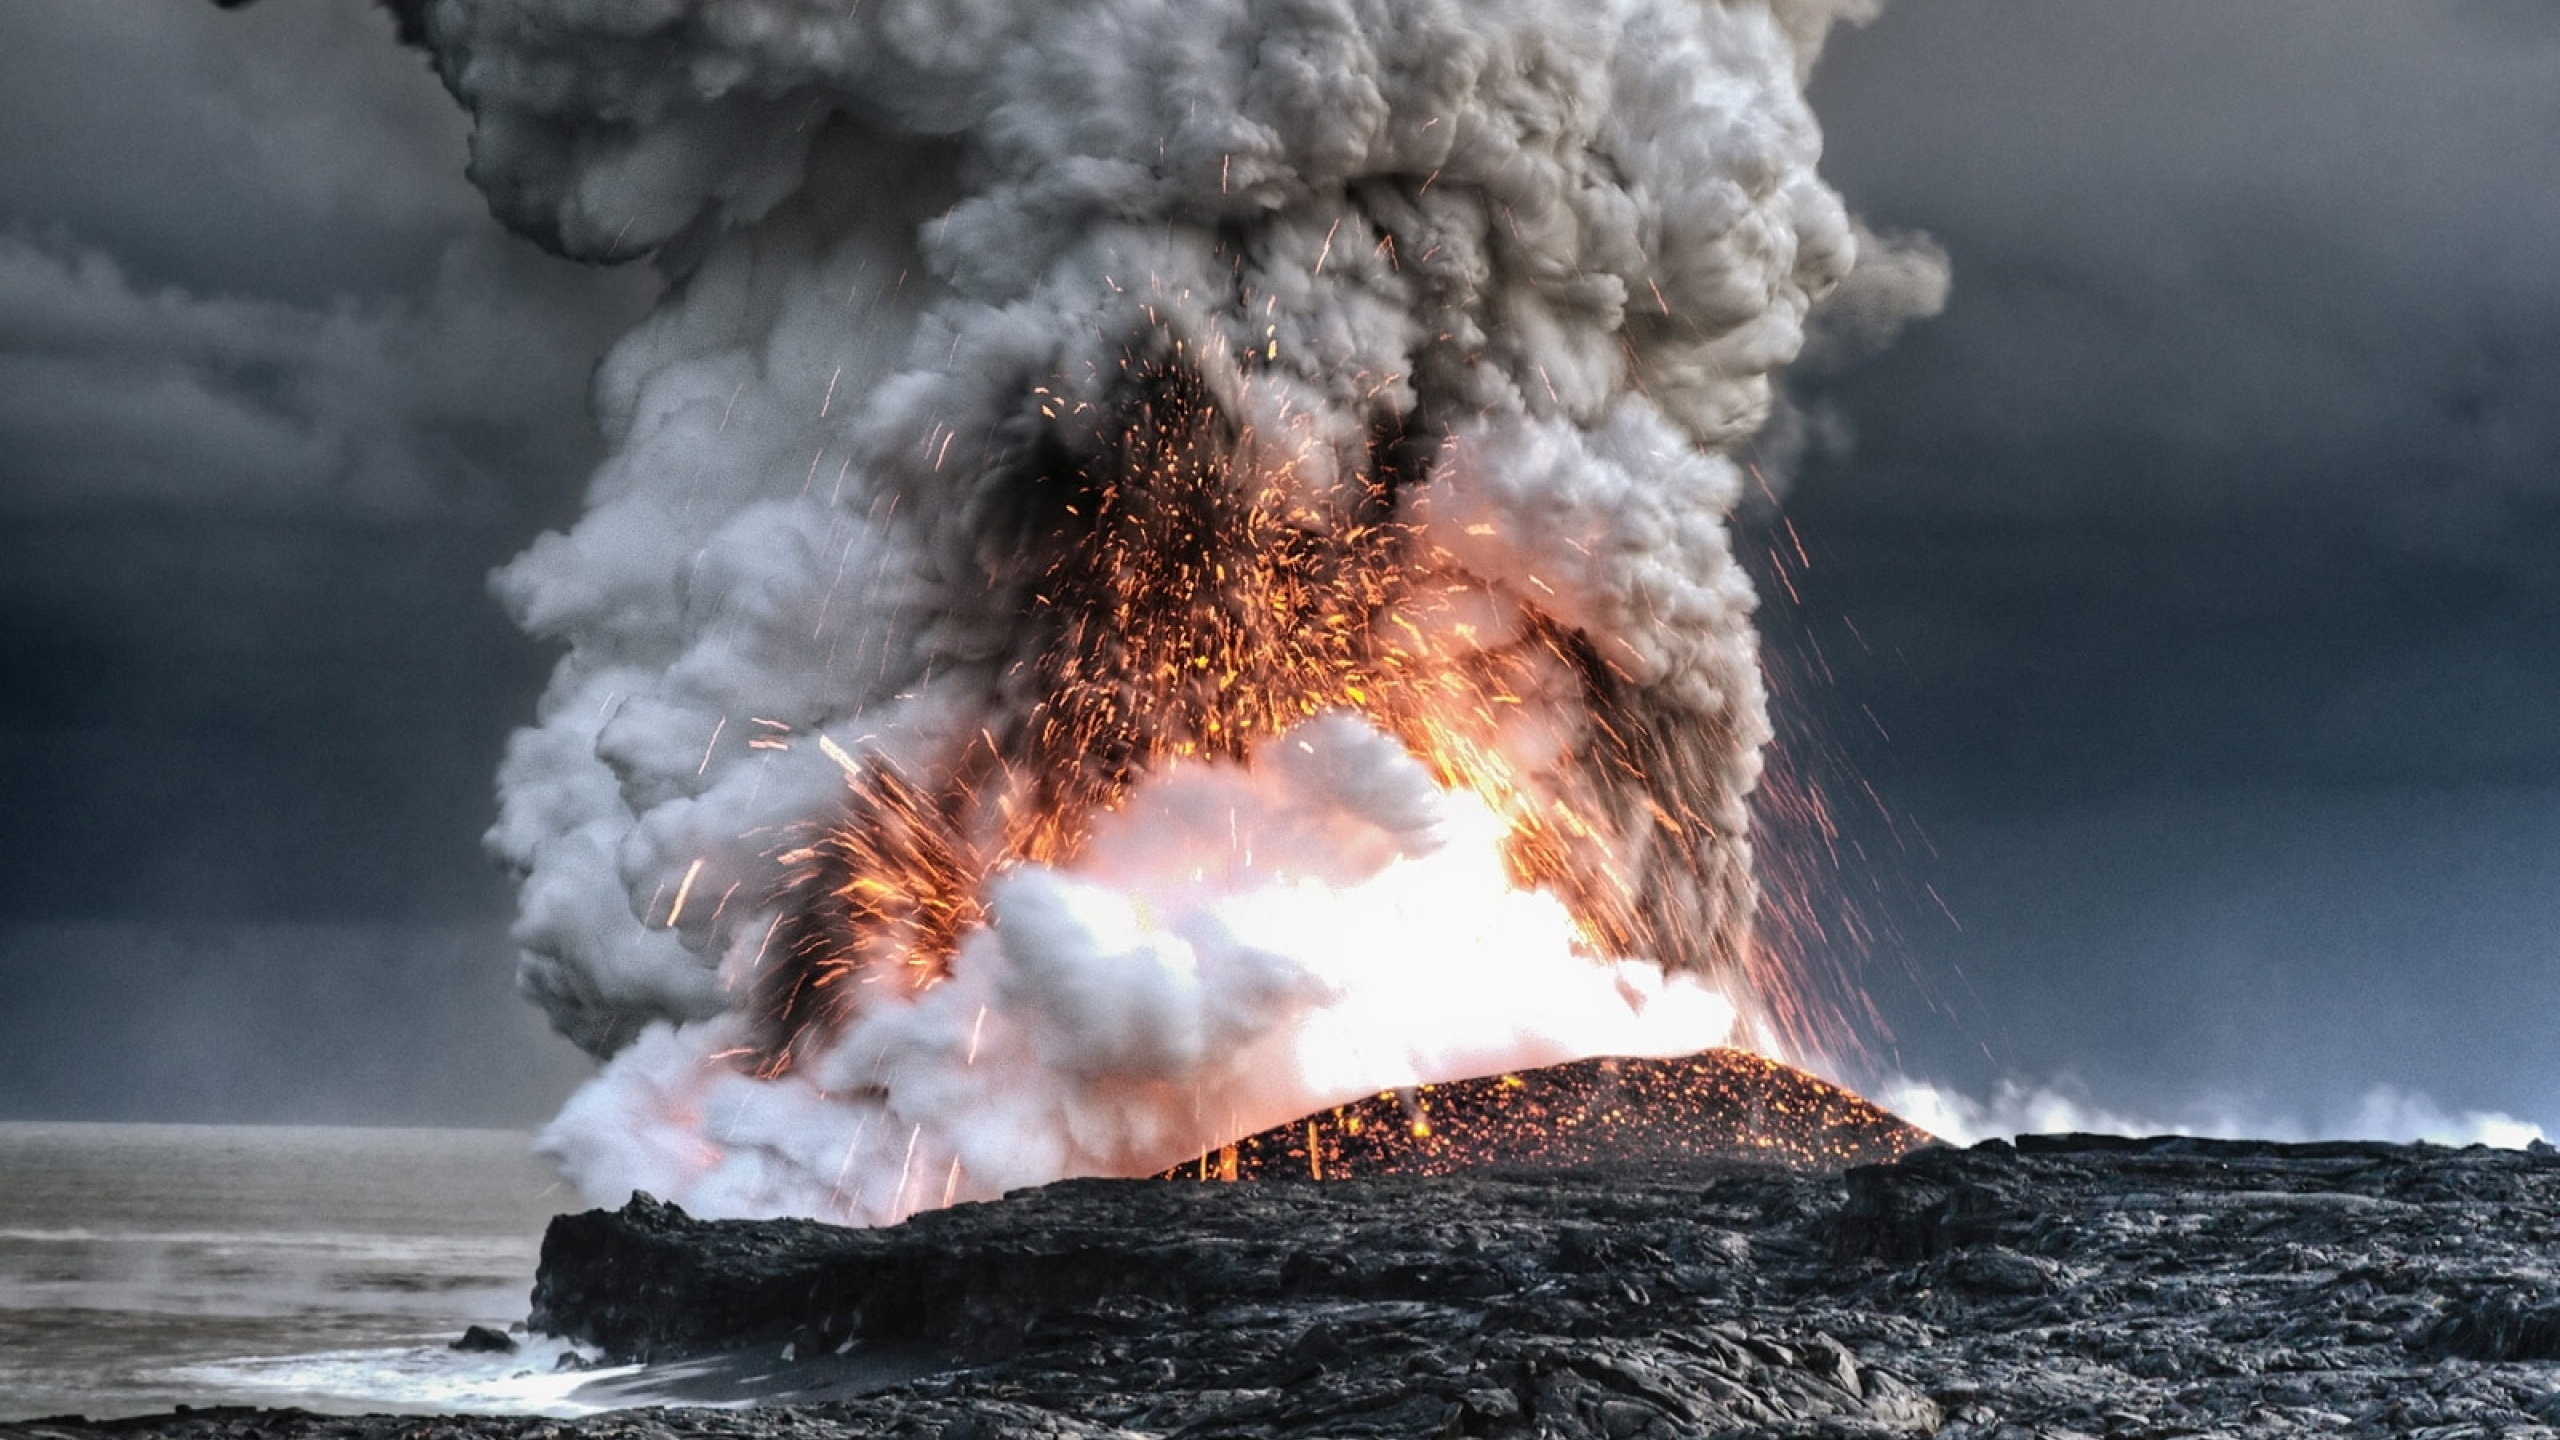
(147, 1266)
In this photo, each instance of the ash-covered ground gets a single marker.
(2063, 1286)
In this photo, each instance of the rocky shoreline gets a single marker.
(2066, 1285)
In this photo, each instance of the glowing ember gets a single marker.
(1720, 1104)
(1194, 601)
(1158, 570)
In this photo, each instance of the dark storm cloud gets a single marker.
(2198, 561)
(274, 1023)
(284, 150)
(2017, 661)
(2232, 456)
(2528, 21)
(275, 395)
(2278, 234)
(239, 268)
(237, 719)
(418, 406)
(2252, 956)
(2186, 600)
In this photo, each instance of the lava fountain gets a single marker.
(1161, 567)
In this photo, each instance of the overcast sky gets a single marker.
(275, 394)
(2186, 596)
(2204, 549)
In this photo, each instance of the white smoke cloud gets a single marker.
(2388, 1113)
(1899, 278)
(915, 246)
(2015, 1107)
(114, 390)
(1239, 947)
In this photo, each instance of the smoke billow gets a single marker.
(1162, 564)
(2015, 1107)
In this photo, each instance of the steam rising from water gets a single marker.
(1503, 283)
(2382, 1112)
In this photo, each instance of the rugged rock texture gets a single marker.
(2067, 1286)
(1594, 1303)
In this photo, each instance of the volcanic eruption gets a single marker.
(1162, 566)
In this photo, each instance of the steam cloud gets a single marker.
(2014, 1107)
(1454, 316)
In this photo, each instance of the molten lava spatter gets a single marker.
(1713, 1105)
(1193, 592)
(1186, 601)
(1160, 568)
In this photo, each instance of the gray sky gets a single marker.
(2203, 552)
(2186, 597)
(275, 394)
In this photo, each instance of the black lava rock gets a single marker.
(2064, 1286)
(2503, 1323)
(481, 1340)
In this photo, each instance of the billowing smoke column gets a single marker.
(1162, 565)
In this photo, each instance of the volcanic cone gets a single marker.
(1716, 1104)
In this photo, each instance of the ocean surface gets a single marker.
(147, 1266)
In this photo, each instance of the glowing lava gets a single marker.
(1720, 1104)
(1197, 593)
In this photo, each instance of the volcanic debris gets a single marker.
(2064, 1286)
(1717, 1104)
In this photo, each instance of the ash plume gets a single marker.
(1160, 565)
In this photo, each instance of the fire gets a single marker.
(1194, 598)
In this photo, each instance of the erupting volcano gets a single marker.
(1163, 567)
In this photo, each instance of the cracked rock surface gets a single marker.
(2066, 1286)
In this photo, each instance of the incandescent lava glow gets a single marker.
(1162, 566)
(1236, 945)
